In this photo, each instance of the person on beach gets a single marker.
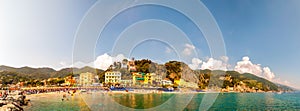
(64, 96)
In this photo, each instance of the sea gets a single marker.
(99, 101)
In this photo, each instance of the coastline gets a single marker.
(60, 94)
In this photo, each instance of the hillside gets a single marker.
(223, 79)
(173, 70)
(29, 72)
(44, 73)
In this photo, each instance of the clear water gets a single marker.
(173, 102)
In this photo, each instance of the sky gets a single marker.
(259, 36)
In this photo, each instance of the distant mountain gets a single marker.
(286, 88)
(44, 73)
(64, 72)
(30, 72)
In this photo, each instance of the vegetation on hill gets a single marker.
(173, 70)
(217, 78)
(10, 75)
(226, 79)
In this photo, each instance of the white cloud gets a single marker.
(119, 58)
(246, 66)
(195, 63)
(101, 62)
(267, 73)
(77, 64)
(105, 60)
(188, 49)
(224, 59)
(214, 64)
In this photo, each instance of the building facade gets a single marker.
(131, 65)
(167, 82)
(70, 81)
(139, 78)
(126, 83)
(113, 77)
(86, 79)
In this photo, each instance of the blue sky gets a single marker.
(267, 31)
(41, 33)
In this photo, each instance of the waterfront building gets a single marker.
(140, 78)
(166, 82)
(137, 78)
(113, 77)
(69, 81)
(125, 83)
(157, 79)
(86, 79)
(177, 81)
(149, 78)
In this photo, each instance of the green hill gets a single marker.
(13, 75)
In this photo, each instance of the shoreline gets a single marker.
(139, 92)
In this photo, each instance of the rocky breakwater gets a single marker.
(13, 102)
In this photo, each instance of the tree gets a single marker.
(60, 81)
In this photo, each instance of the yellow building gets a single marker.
(69, 81)
(145, 78)
(113, 77)
(86, 79)
(177, 81)
(149, 78)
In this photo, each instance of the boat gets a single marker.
(117, 89)
(166, 89)
(83, 90)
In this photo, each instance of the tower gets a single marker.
(131, 65)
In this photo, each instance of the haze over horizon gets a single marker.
(261, 37)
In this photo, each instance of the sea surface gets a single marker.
(167, 101)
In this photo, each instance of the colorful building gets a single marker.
(69, 81)
(139, 78)
(177, 81)
(113, 77)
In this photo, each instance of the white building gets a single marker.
(166, 82)
(113, 77)
(126, 83)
